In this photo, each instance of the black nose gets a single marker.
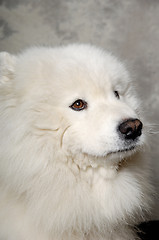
(131, 128)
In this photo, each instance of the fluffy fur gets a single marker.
(63, 173)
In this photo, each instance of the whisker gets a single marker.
(152, 128)
(150, 131)
(47, 129)
(42, 130)
(62, 136)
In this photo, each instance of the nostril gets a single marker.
(131, 128)
(129, 131)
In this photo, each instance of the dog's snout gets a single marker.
(131, 128)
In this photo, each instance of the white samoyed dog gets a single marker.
(70, 141)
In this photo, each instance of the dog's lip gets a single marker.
(124, 150)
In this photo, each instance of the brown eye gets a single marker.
(117, 94)
(79, 105)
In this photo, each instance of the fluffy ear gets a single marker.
(7, 66)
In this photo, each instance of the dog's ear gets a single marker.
(7, 67)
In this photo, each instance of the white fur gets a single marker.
(59, 180)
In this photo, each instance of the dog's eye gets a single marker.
(117, 94)
(79, 105)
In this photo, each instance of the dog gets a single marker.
(72, 135)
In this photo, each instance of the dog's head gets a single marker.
(76, 99)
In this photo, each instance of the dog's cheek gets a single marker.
(84, 139)
(70, 140)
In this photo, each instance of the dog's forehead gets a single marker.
(89, 69)
(90, 61)
(77, 67)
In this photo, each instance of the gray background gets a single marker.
(128, 28)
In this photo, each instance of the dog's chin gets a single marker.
(122, 154)
(117, 155)
(111, 158)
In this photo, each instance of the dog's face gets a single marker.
(80, 97)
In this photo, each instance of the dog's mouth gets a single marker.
(125, 150)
